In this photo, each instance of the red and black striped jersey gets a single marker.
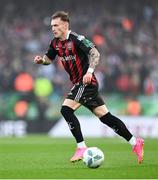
(73, 53)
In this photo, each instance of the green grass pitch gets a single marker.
(42, 157)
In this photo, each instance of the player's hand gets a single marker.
(87, 78)
(38, 60)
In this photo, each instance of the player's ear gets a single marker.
(66, 25)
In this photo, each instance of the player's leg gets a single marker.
(113, 122)
(95, 103)
(67, 110)
(120, 128)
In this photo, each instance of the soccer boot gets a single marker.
(138, 149)
(78, 154)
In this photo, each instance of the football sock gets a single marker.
(117, 125)
(81, 145)
(132, 141)
(73, 123)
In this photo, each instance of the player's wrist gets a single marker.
(43, 61)
(90, 70)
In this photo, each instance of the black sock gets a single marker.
(73, 123)
(117, 125)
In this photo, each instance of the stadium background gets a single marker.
(126, 34)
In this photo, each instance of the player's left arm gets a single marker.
(88, 48)
(94, 57)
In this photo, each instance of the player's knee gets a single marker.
(100, 111)
(66, 111)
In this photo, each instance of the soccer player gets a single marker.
(80, 57)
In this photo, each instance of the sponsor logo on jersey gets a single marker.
(68, 58)
(80, 37)
(88, 43)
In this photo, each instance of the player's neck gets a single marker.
(64, 36)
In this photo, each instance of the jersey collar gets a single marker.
(68, 33)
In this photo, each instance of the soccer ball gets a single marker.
(93, 157)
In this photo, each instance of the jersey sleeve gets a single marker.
(51, 52)
(84, 44)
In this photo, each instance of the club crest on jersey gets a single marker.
(69, 45)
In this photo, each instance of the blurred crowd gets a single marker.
(125, 32)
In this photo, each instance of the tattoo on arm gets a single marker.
(46, 60)
(94, 57)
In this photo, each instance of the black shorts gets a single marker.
(87, 95)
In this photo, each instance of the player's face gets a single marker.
(59, 28)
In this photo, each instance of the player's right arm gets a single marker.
(42, 60)
(48, 57)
